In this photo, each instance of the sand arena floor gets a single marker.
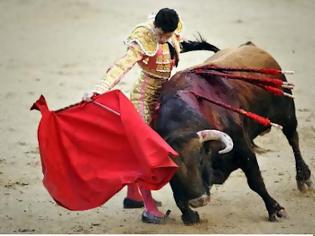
(62, 48)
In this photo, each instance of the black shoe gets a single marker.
(146, 217)
(130, 204)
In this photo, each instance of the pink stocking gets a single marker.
(149, 204)
(133, 192)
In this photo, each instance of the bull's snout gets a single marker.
(200, 201)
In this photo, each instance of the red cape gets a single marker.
(89, 153)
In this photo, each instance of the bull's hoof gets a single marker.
(304, 178)
(305, 185)
(191, 218)
(279, 212)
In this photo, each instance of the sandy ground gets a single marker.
(62, 48)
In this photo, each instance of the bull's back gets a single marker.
(252, 97)
(247, 55)
(235, 92)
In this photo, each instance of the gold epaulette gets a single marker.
(144, 36)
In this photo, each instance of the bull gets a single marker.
(202, 132)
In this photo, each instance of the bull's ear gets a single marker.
(212, 147)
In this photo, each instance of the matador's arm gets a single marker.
(120, 68)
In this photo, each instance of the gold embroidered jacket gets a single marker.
(144, 49)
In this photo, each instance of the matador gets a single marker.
(149, 45)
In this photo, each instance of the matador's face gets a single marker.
(162, 36)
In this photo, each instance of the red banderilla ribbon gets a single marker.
(269, 71)
(260, 119)
(264, 81)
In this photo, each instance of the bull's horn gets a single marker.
(211, 134)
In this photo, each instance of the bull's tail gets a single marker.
(199, 44)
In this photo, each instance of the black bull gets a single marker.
(182, 115)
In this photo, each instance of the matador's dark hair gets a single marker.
(166, 19)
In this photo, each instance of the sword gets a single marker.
(106, 108)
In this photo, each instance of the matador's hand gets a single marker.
(87, 96)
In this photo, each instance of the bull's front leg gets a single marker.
(189, 217)
(255, 181)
